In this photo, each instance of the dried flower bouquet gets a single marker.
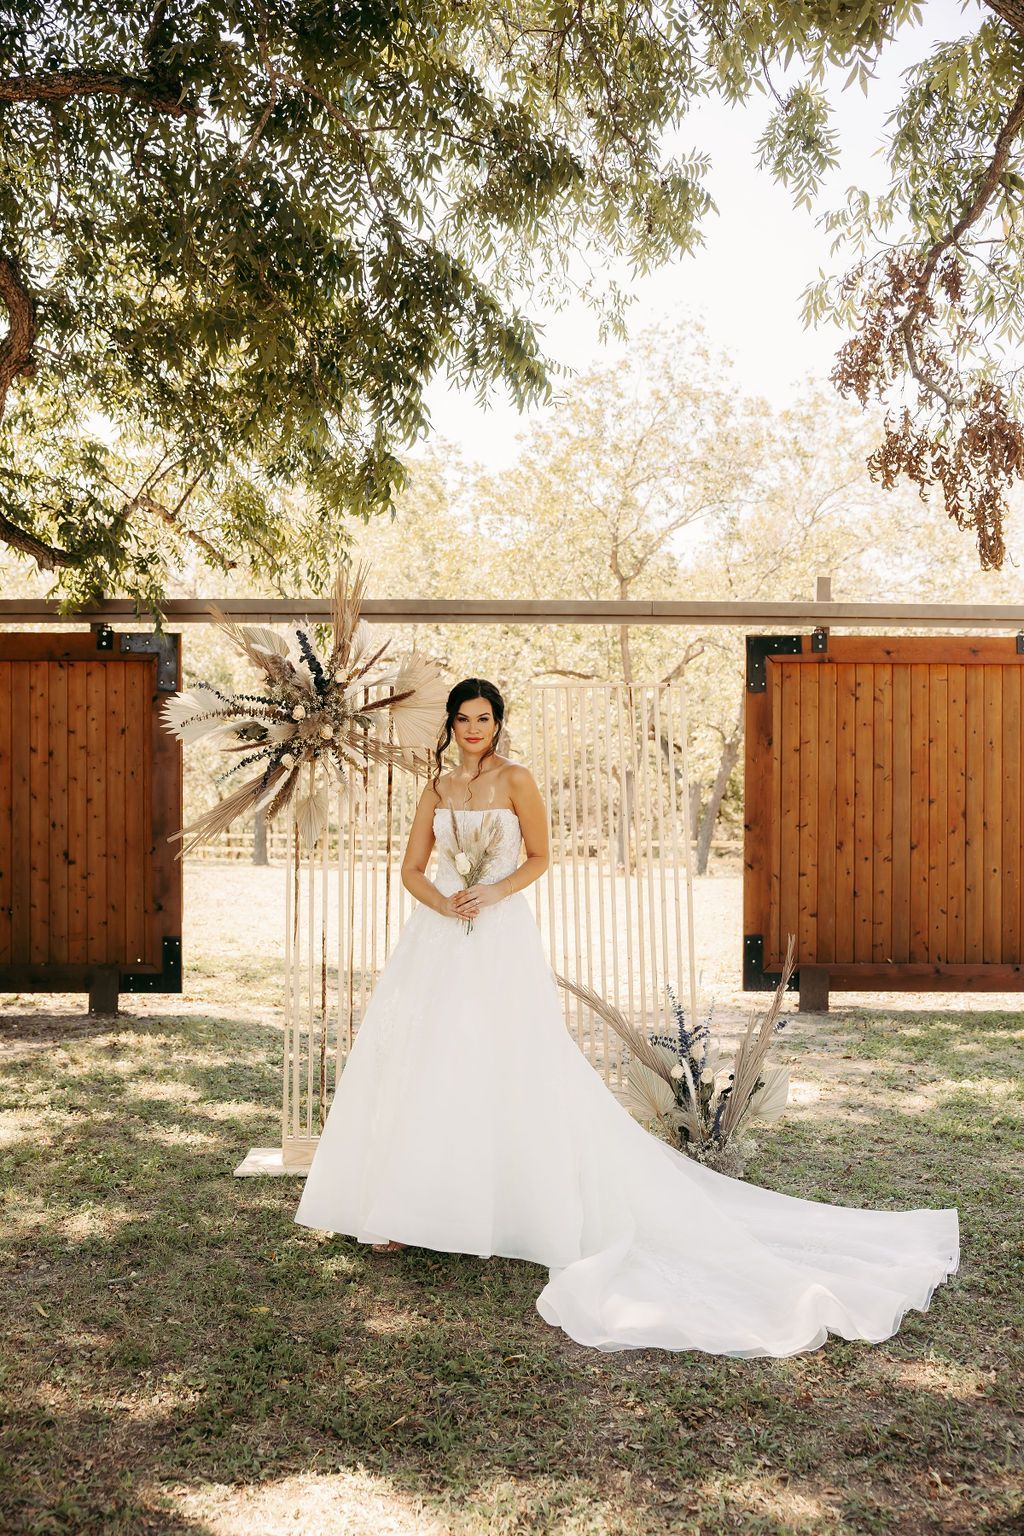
(313, 720)
(475, 847)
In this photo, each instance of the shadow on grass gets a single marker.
(171, 1325)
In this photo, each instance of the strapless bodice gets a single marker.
(498, 829)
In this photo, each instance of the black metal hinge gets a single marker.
(755, 977)
(167, 980)
(165, 648)
(761, 646)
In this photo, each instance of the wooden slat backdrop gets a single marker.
(90, 786)
(885, 811)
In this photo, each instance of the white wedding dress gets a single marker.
(467, 1120)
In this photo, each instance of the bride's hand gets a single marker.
(461, 904)
(467, 903)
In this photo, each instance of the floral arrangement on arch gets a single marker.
(313, 720)
(699, 1101)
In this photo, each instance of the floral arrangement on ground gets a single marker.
(684, 1086)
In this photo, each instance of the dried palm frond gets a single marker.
(753, 1048)
(387, 702)
(649, 1094)
(769, 1102)
(220, 816)
(274, 662)
(652, 1065)
(359, 645)
(261, 638)
(282, 798)
(371, 748)
(346, 600)
(642, 1049)
(311, 811)
(358, 669)
(193, 713)
(683, 1114)
(418, 708)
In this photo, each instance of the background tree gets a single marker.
(759, 507)
(238, 237)
(935, 293)
(605, 494)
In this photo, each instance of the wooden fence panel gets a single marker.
(884, 823)
(90, 791)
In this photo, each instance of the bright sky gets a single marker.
(760, 253)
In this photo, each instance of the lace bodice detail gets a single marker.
(505, 837)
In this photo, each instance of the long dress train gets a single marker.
(467, 1120)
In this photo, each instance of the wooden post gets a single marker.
(104, 990)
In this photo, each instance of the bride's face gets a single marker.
(474, 727)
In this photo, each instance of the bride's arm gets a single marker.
(417, 855)
(533, 818)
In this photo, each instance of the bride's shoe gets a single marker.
(388, 1247)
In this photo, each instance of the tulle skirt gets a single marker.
(467, 1120)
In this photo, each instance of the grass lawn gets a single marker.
(179, 1356)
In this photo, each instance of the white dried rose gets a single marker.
(339, 677)
(299, 712)
(326, 732)
(707, 1076)
(288, 759)
(696, 1050)
(463, 863)
(677, 1071)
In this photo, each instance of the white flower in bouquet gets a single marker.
(288, 759)
(463, 863)
(678, 1070)
(339, 677)
(326, 732)
(707, 1076)
(299, 712)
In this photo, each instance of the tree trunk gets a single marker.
(694, 811)
(709, 816)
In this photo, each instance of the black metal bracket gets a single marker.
(104, 637)
(165, 648)
(755, 977)
(819, 639)
(1020, 642)
(761, 646)
(167, 980)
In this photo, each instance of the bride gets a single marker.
(467, 1120)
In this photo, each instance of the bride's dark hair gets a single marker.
(469, 688)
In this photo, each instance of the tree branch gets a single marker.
(989, 181)
(64, 83)
(563, 672)
(694, 649)
(1009, 11)
(46, 556)
(16, 348)
(213, 554)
